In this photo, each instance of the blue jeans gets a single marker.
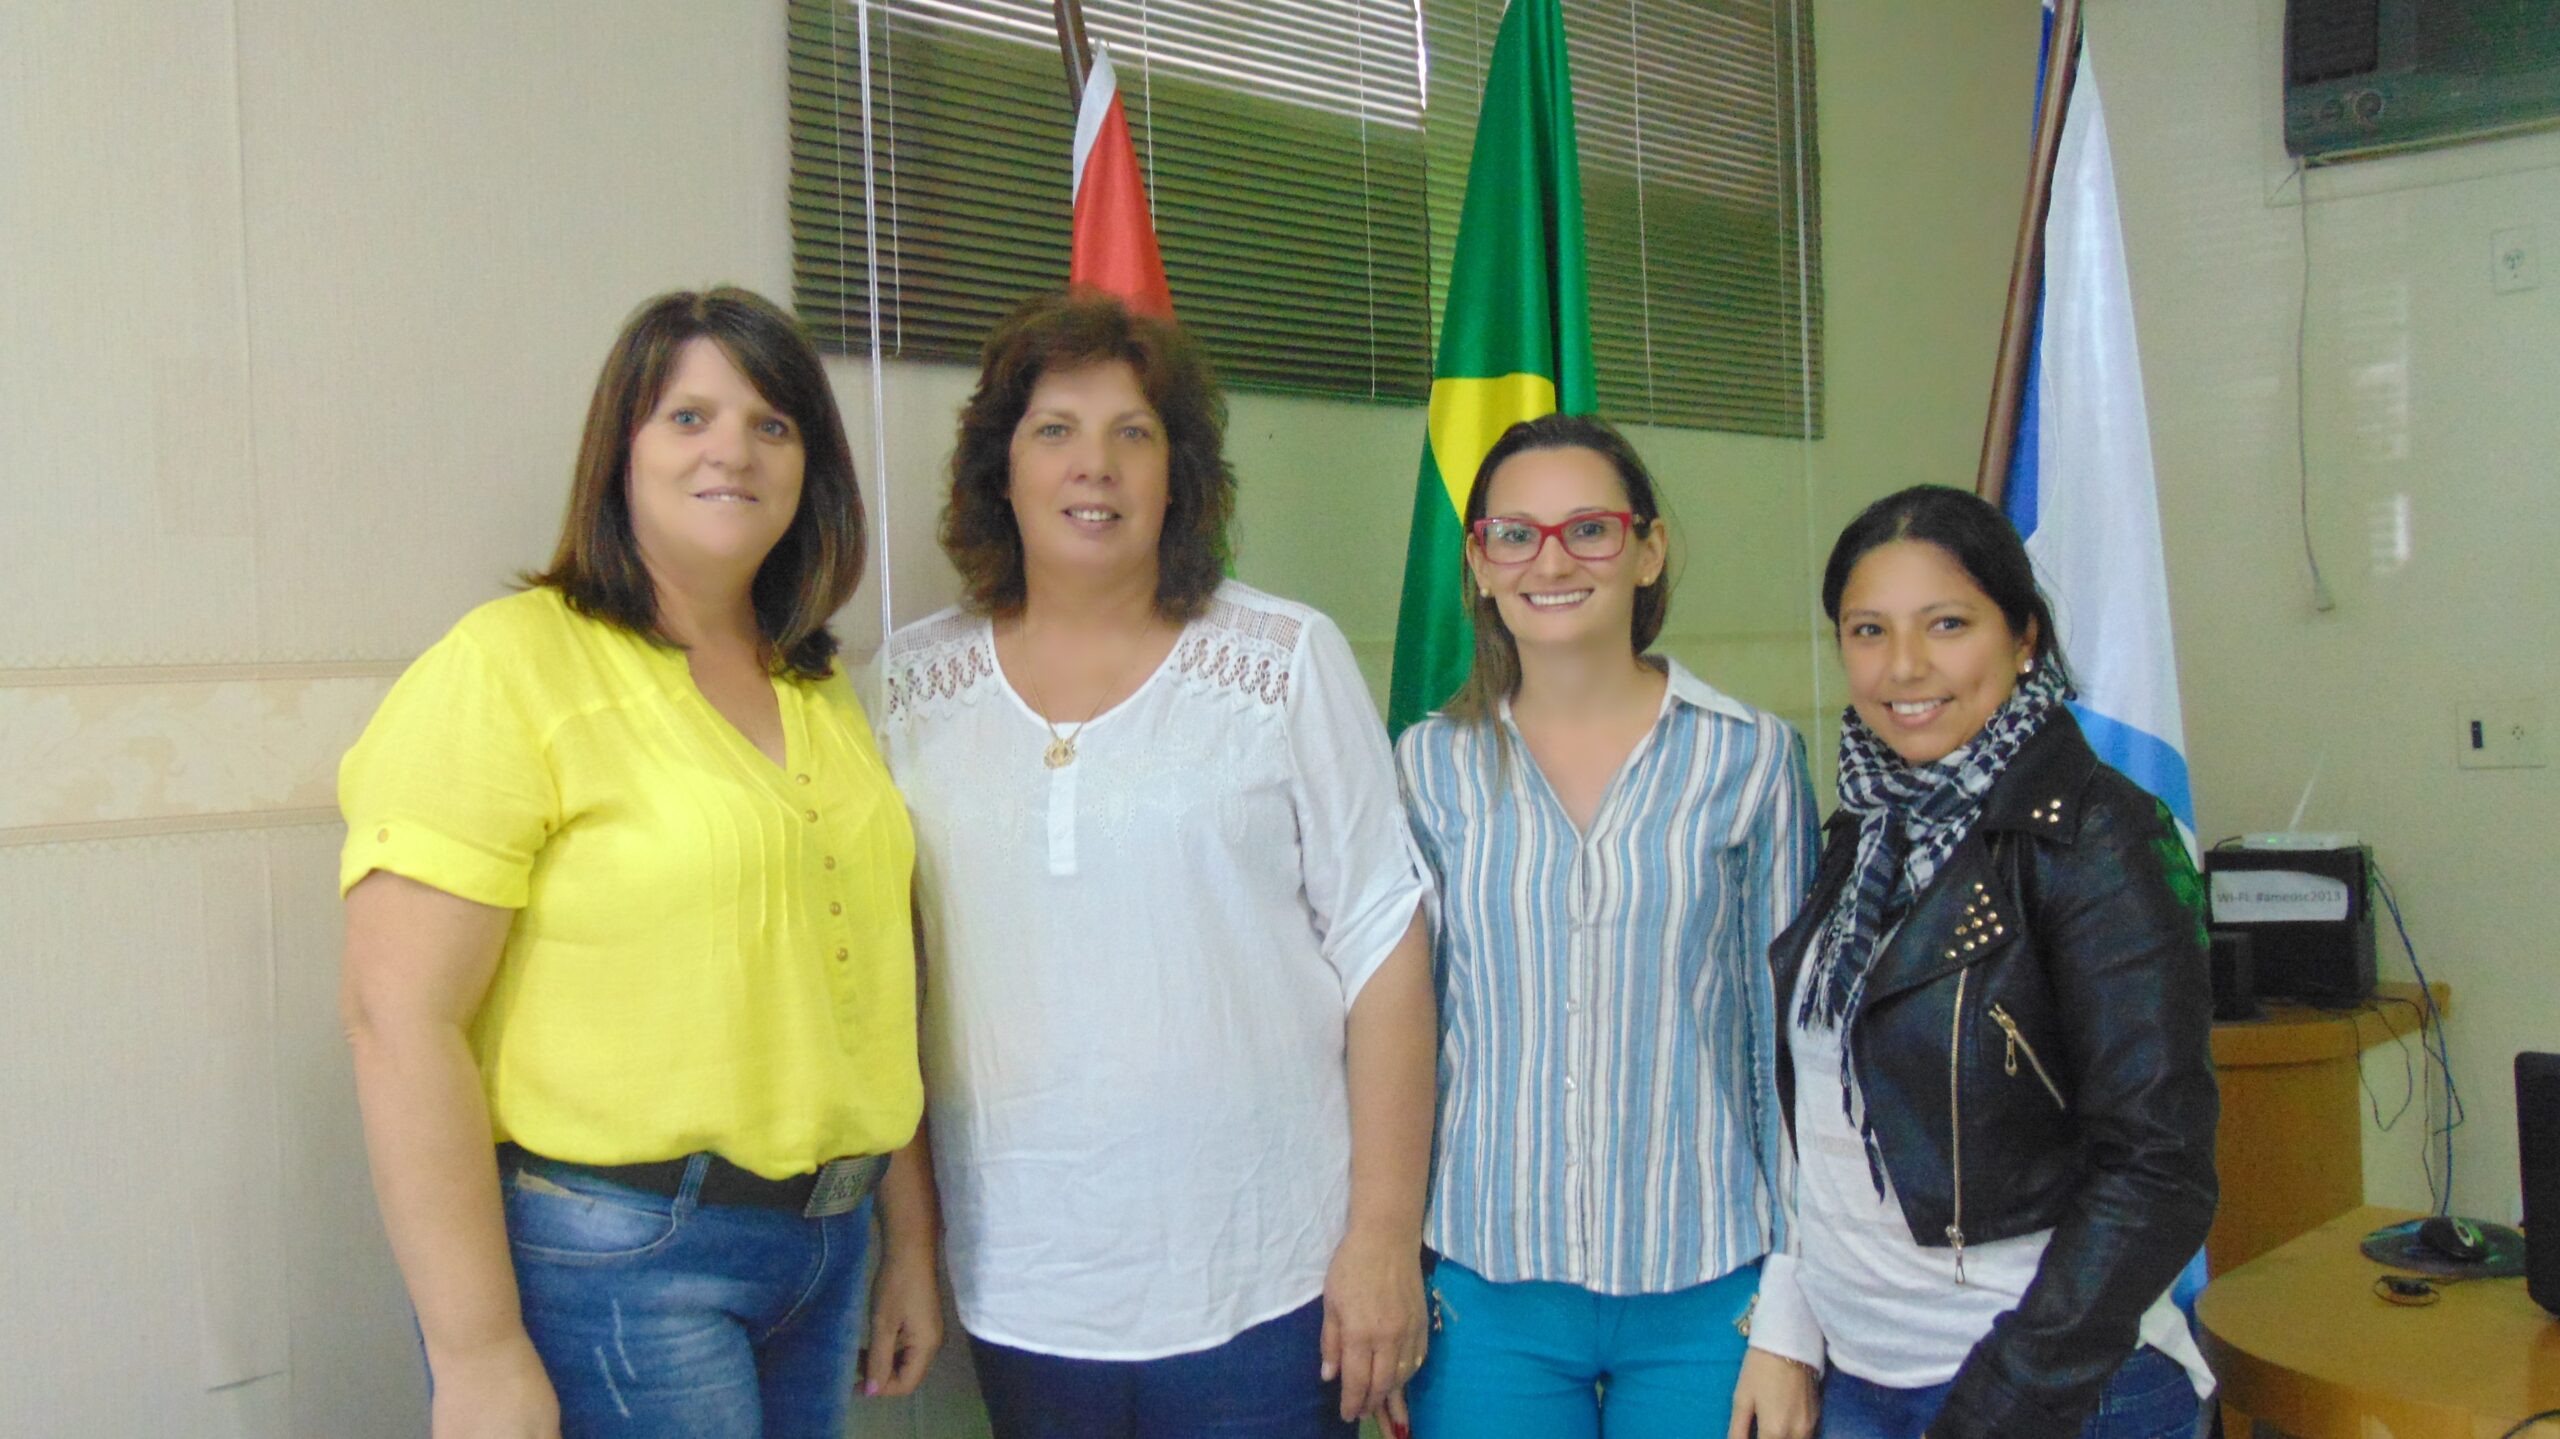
(664, 1318)
(2150, 1397)
(1537, 1360)
(1262, 1384)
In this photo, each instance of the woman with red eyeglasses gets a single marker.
(1616, 843)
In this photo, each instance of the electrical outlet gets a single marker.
(2500, 734)
(2512, 263)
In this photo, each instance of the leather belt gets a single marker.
(835, 1187)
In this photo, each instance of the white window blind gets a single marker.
(1307, 182)
(1282, 142)
(1699, 176)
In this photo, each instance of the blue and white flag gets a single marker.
(2080, 486)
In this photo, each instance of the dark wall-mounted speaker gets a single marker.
(2538, 1155)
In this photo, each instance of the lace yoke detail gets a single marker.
(1240, 651)
(941, 661)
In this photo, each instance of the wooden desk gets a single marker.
(2301, 1344)
(2291, 1147)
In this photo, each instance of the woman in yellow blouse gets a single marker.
(629, 972)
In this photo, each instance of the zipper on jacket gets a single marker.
(1955, 1125)
(2018, 1042)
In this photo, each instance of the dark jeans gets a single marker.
(1261, 1384)
(2150, 1397)
(664, 1318)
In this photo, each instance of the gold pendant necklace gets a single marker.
(1062, 747)
(1061, 751)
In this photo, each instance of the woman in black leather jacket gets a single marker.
(2006, 1164)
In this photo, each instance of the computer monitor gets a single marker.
(2538, 1155)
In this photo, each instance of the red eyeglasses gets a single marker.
(1591, 535)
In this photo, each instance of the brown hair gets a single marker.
(816, 565)
(1495, 674)
(1065, 331)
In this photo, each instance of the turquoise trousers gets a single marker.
(1536, 1360)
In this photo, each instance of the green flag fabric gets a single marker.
(1515, 337)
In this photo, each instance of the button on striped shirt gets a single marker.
(1608, 1101)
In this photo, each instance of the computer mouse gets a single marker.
(2453, 1238)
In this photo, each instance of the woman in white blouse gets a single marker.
(1179, 1022)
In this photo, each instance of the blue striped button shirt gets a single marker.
(1608, 1101)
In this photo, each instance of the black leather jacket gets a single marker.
(2034, 1050)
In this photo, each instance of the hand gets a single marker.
(1397, 1418)
(1778, 1394)
(499, 1392)
(906, 1324)
(1373, 1319)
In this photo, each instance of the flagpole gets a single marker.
(1074, 51)
(2018, 320)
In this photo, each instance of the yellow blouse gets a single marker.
(710, 951)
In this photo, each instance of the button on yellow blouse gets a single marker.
(710, 951)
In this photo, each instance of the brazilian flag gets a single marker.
(1515, 338)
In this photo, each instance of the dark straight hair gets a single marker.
(816, 565)
(1495, 673)
(1974, 534)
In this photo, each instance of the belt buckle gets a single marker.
(843, 1184)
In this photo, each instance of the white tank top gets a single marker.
(1892, 1312)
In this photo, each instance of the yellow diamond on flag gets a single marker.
(1467, 416)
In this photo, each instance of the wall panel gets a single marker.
(450, 210)
(148, 1260)
(85, 748)
(124, 388)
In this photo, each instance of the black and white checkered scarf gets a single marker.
(1910, 818)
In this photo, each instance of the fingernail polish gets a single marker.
(870, 1389)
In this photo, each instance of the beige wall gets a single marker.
(307, 299)
(2428, 396)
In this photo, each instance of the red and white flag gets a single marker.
(1115, 235)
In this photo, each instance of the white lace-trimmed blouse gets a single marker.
(1139, 969)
